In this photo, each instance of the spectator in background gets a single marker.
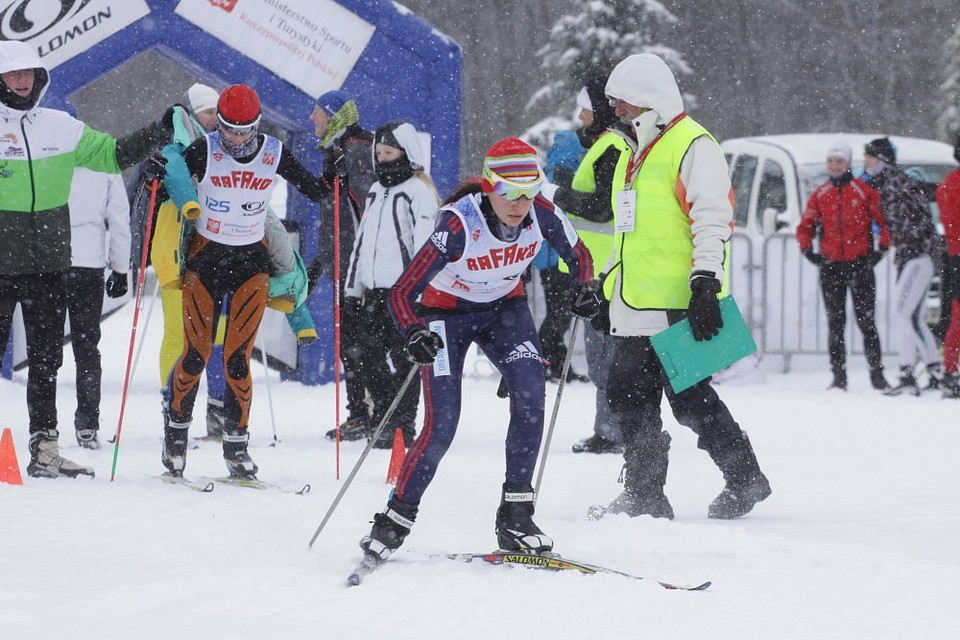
(842, 209)
(588, 203)
(948, 202)
(563, 157)
(398, 218)
(99, 218)
(907, 214)
(35, 228)
(347, 151)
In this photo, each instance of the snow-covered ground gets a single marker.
(858, 540)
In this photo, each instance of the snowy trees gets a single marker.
(948, 124)
(592, 41)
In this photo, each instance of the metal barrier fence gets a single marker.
(778, 292)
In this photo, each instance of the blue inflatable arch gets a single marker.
(408, 70)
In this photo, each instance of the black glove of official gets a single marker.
(116, 285)
(601, 321)
(154, 167)
(814, 258)
(704, 310)
(423, 344)
(585, 304)
(165, 124)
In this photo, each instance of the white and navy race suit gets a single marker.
(470, 290)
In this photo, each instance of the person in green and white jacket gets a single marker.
(39, 150)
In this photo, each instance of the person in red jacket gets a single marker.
(841, 210)
(948, 202)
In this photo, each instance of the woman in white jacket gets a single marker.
(397, 220)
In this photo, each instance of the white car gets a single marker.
(773, 176)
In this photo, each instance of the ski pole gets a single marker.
(336, 319)
(153, 188)
(146, 325)
(266, 381)
(373, 439)
(556, 408)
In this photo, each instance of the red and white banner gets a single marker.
(61, 29)
(313, 44)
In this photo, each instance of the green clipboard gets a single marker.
(687, 362)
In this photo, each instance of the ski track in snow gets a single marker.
(859, 538)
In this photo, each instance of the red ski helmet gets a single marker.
(239, 109)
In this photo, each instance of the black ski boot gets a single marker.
(908, 383)
(389, 529)
(745, 483)
(515, 528)
(45, 459)
(353, 428)
(174, 454)
(644, 475)
(951, 384)
(597, 444)
(216, 419)
(239, 462)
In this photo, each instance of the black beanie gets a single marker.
(882, 149)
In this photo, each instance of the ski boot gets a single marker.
(597, 444)
(45, 459)
(239, 462)
(353, 428)
(389, 530)
(515, 528)
(643, 476)
(908, 383)
(174, 454)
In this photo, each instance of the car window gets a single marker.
(742, 181)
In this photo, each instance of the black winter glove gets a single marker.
(335, 164)
(154, 167)
(116, 285)
(601, 321)
(165, 124)
(704, 310)
(585, 304)
(874, 257)
(814, 258)
(423, 344)
(314, 271)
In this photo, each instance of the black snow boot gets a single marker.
(907, 384)
(174, 454)
(353, 428)
(878, 381)
(45, 459)
(515, 528)
(951, 384)
(745, 483)
(239, 462)
(390, 528)
(644, 475)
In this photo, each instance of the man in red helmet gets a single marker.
(235, 167)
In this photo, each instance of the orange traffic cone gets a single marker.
(9, 467)
(397, 455)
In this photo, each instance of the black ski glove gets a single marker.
(601, 321)
(423, 344)
(165, 124)
(314, 271)
(154, 167)
(704, 310)
(116, 285)
(814, 258)
(585, 304)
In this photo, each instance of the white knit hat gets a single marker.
(202, 97)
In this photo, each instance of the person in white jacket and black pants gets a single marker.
(99, 238)
(398, 218)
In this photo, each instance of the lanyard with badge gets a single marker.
(626, 213)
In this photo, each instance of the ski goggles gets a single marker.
(515, 190)
(236, 129)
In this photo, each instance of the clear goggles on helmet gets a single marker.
(237, 129)
(515, 190)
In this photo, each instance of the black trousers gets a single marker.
(43, 301)
(836, 278)
(351, 355)
(84, 308)
(381, 340)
